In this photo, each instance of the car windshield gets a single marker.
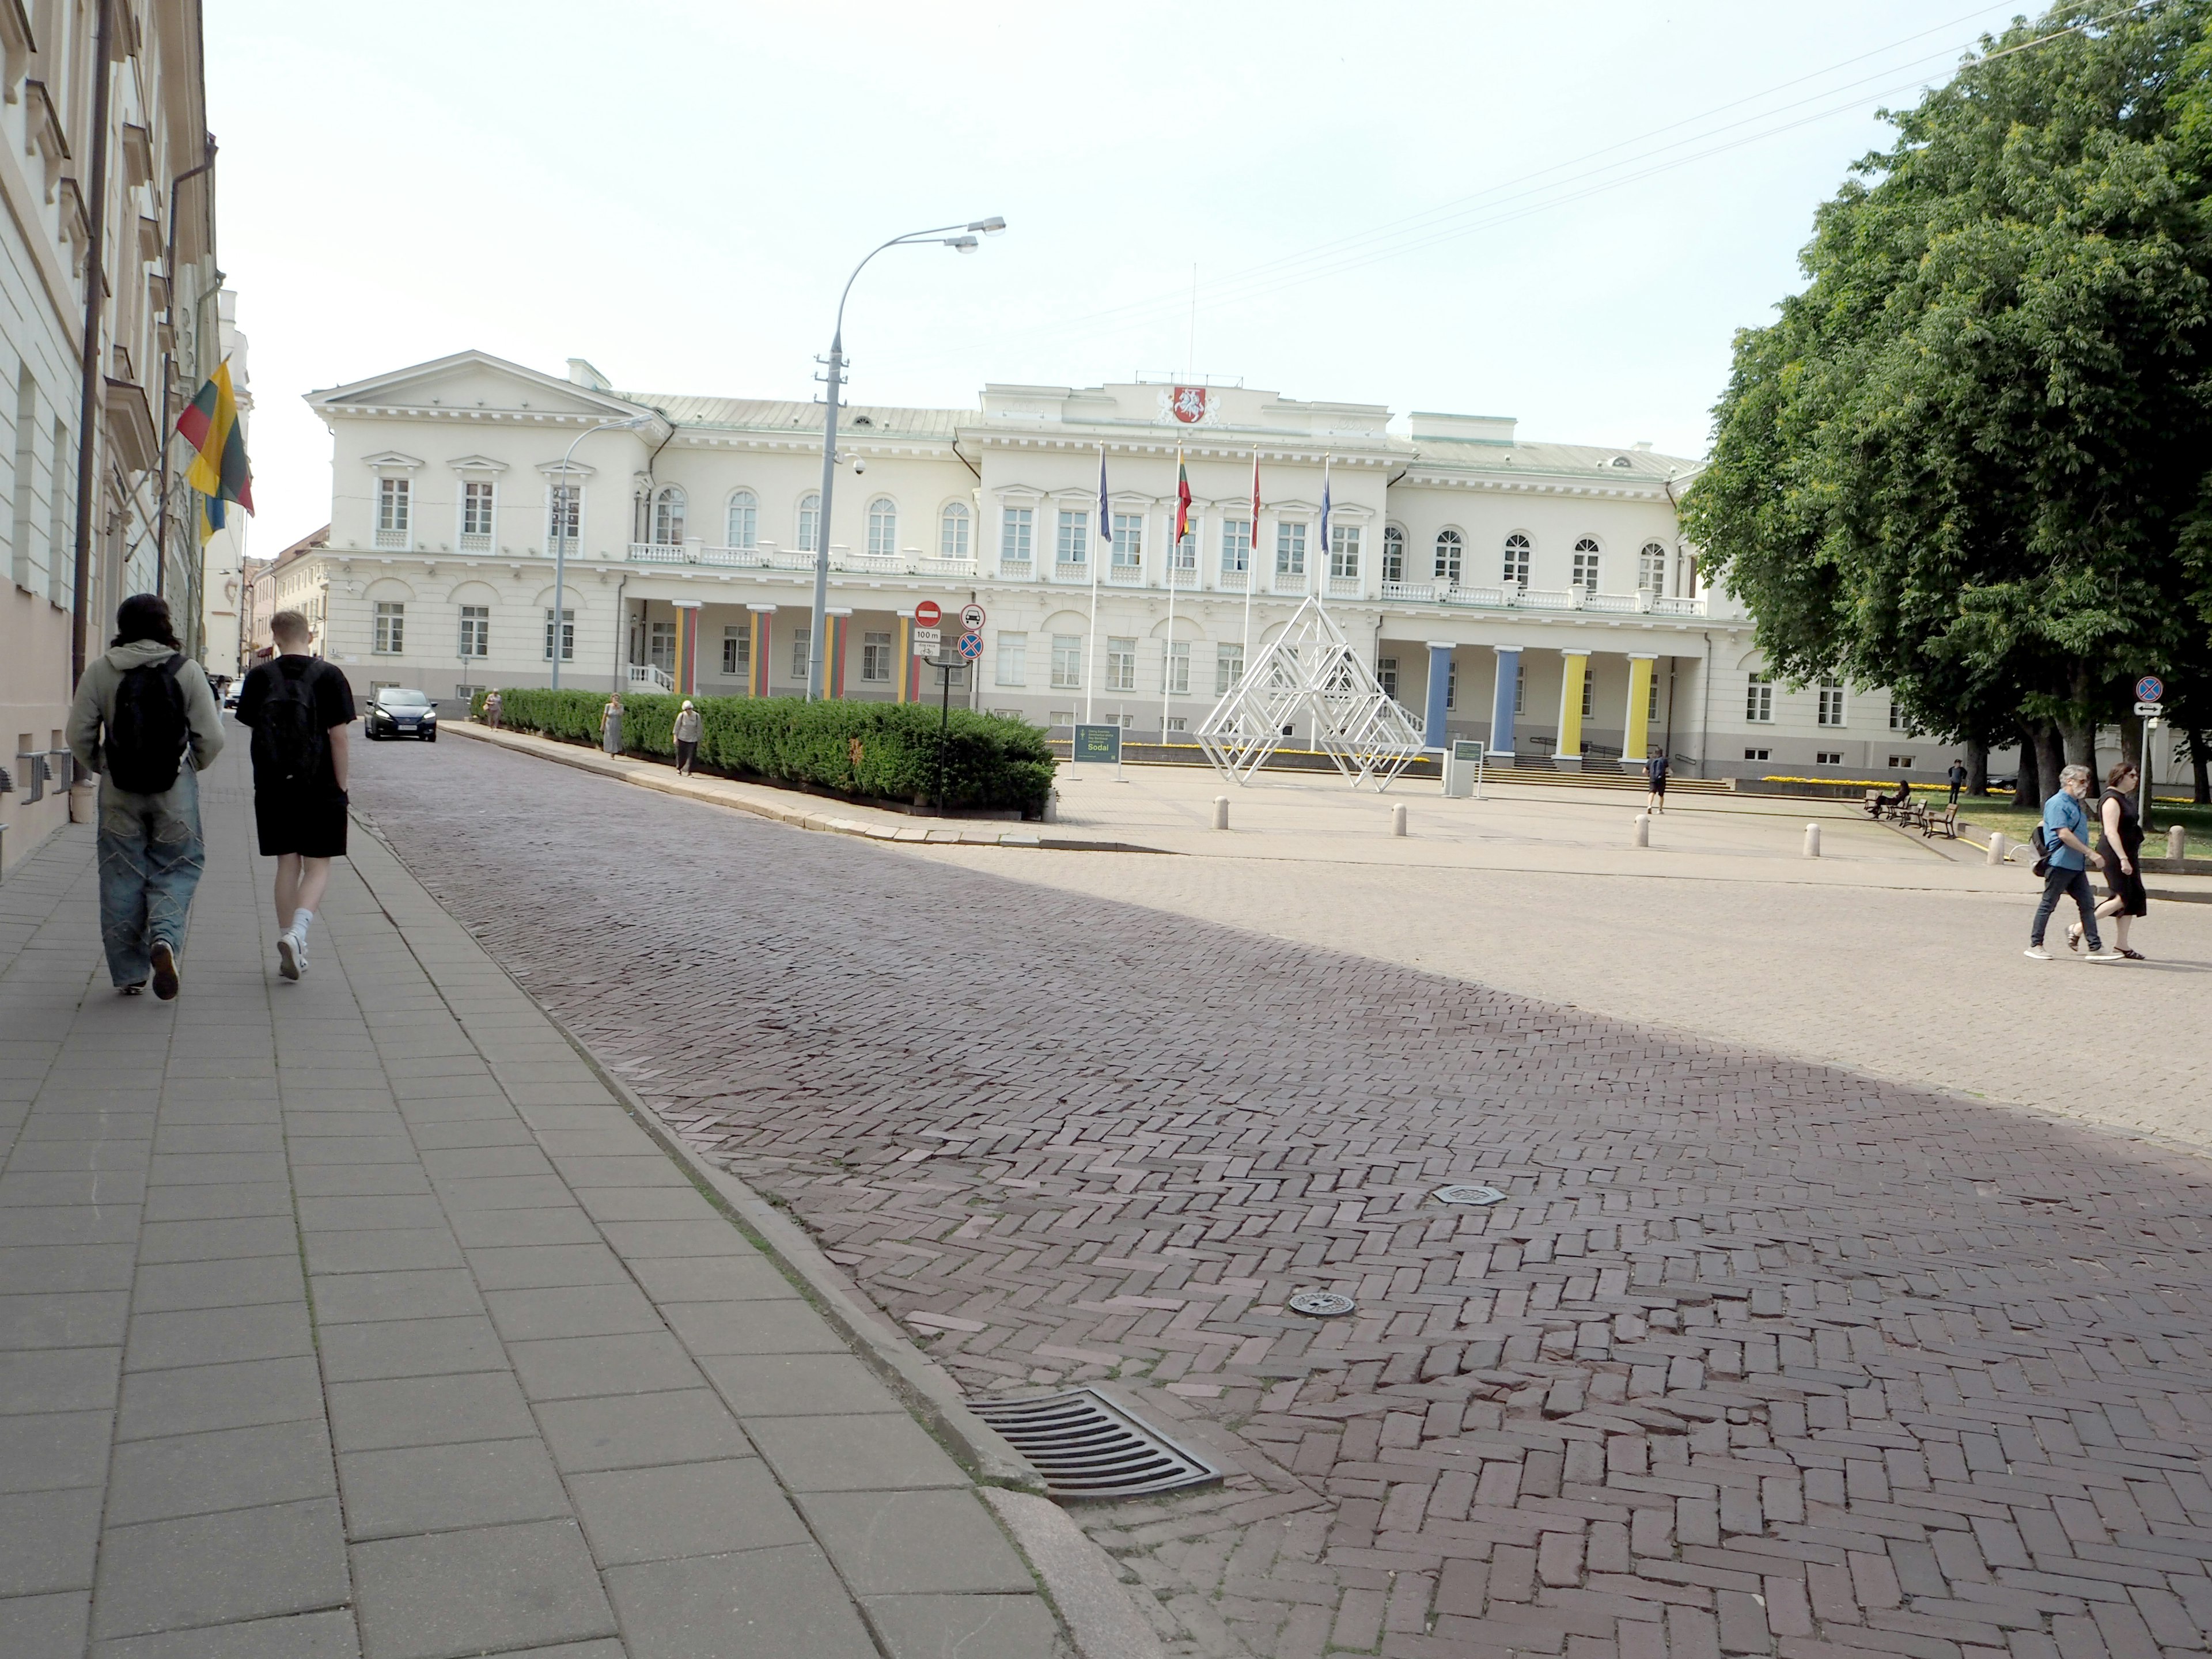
(404, 699)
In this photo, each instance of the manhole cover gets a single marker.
(1468, 1196)
(1085, 1446)
(1321, 1303)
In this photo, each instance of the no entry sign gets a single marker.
(925, 614)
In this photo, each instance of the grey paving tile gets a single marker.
(637, 1431)
(321, 1152)
(346, 1213)
(964, 1626)
(217, 1169)
(374, 1183)
(42, 1451)
(572, 1367)
(797, 1384)
(503, 1193)
(173, 1287)
(784, 1600)
(106, 1224)
(648, 1203)
(428, 1411)
(486, 1590)
(58, 1155)
(733, 1327)
(678, 1509)
(416, 1489)
(63, 1319)
(564, 1222)
(644, 1239)
(256, 1137)
(412, 1347)
(38, 1188)
(220, 1569)
(854, 1454)
(911, 1543)
(45, 1626)
(48, 1541)
(423, 1293)
(601, 1115)
(443, 1136)
(615, 1139)
(385, 1127)
(217, 1241)
(220, 1469)
(204, 1336)
(571, 1311)
(326, 1635)
(388, 1250)
(651, 1167)
(57, 1379)
(748, 1278)
(67, 1267)
(517, 1268)
(219, 1201)
(478, 1162)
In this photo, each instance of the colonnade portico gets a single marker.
(1522, 717)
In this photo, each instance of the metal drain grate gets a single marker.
(1085, 1446)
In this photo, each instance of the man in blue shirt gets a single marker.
(2066, 832)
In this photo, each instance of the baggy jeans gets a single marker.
(150, 859)
(2059, 881)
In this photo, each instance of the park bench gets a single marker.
(1945, 823)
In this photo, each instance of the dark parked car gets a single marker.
(395, 712)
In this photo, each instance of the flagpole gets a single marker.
(1102, 545)
(1251, 563)
(1176, 523)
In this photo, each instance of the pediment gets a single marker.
(473, 379)
(391, 461)
(477, 463)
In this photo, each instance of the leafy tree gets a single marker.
(1968, 461)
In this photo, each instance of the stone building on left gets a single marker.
(109, 321)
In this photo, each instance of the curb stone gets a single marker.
(1101, 1613)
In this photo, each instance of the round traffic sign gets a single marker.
(925, 614)
(971, 617)
(2150, 689)
(971, 646)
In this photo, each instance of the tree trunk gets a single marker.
(2079, 738)
(2131, 734)
(2028, 791)
(1977, 766)
(2202, 793)
(2049, 757)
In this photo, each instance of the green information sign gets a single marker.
(1098, 743)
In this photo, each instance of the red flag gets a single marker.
(1256, 504)
(1182, 498)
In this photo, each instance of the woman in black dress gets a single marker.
(2122, 849)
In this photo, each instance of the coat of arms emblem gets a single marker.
(1188, 404)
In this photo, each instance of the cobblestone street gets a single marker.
(1759, 1357)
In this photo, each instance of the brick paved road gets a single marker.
(1761, 1358)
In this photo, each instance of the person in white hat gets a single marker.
(688, 725)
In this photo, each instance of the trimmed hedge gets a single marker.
(884, 750)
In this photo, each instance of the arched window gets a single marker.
(883, 527)
(1651, 568)
(1516, 560)
(1394, 554)
(745, 519)
(668, 517)
(1450, 546)
(1586, 554)
(810, 520)
(952, 531)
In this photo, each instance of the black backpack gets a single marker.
(148, 732)
(287, 720)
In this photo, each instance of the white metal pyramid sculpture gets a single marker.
(1311, 672)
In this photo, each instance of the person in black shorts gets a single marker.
(299, 707)
(1655, 777)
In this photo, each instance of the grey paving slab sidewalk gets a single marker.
(357, 1316)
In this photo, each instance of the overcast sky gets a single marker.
(1559, 213)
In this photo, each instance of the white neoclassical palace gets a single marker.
(1546, 585)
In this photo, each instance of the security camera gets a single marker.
(859, 466)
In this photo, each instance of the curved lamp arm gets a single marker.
(966, 243)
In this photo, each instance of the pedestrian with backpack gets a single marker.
(2064, 860)
(146, 721)
(299, 707)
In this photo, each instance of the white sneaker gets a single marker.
(2104, 953)
(290, 958)
(2036, 953)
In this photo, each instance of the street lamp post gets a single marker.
(561, 505)
(965, 243)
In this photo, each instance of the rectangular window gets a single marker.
(1013, 658)
(1120, 664)
(1897, 719)
(1228, 668)
(394, 505)
(1236, 545)
(1178, 667)
(661, 647)
(1060, 717)
(1651, 568)
(1832, 703)
(876, 657)
(1520, 685)
(1016, 526)
(1074, 545)
(1586, 569)
(475, 631)
(1386, 671)
(19, 541)
(1755, 754)
(1129, 540)
(1178, 723)
(1829, 758)
(1183, 556)
(390, 629)
(1651, 701)
(568, 635)
(564, 516)
(737, 650)
(1067, 662)
(1451, 686)
(1590, 693)
(1290, 549)
(953, 533)
(1344, 551)
(476, 510)
(1758, 699)
(799, 642)
(1394, 554)
(1900, 762)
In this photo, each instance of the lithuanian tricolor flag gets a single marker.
(218, 469)
(1183, 497)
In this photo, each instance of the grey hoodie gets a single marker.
(94, 707)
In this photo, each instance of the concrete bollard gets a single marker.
(2177, 841)
(1398, 819)
(1221, 811)
(1997, 852)
(1643, 829)
(1812, 840)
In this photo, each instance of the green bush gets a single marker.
(885, 752)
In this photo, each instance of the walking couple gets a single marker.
(2068, 858)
